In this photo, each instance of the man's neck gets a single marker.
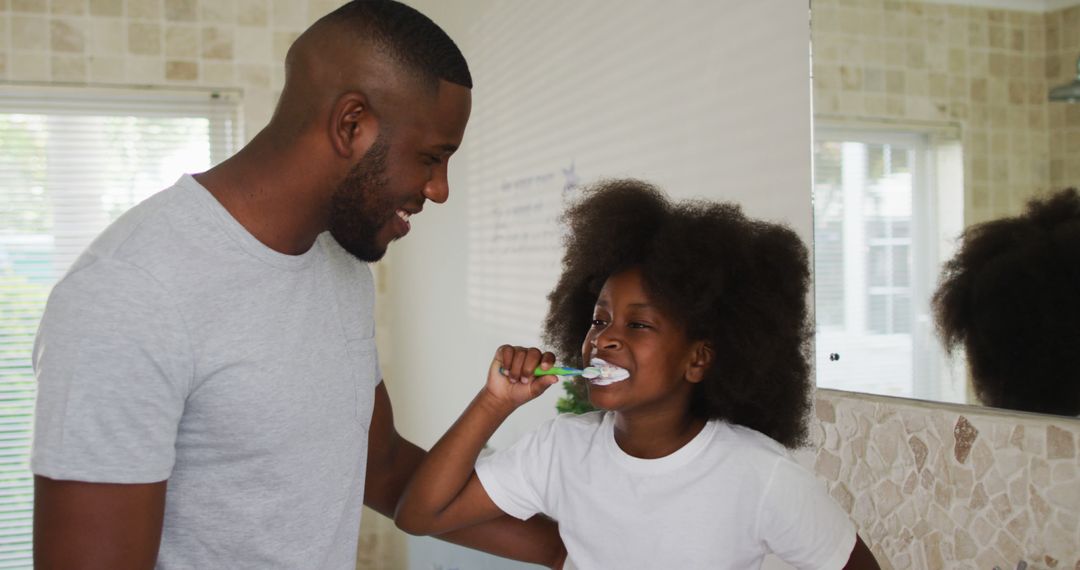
(266, 191)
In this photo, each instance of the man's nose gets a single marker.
(438, 188)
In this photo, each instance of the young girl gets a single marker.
(685, 466)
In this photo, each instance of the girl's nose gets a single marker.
(606, 341)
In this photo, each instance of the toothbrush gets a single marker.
(599, 373)
(590, 372)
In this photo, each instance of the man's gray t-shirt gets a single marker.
(179, 347)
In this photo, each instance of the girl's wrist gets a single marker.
(493, 405)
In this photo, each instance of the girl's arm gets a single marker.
(861, 557)
(445, 494)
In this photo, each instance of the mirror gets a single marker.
(929, 116)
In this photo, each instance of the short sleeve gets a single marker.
(799, 522)
(113, 365)
(516, 478)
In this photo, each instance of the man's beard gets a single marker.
(361, 206)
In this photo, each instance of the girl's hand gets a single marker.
(511, 381)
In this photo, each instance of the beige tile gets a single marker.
(253, 75)
(1017, 92)
(253, 45)
(956, 32)
(918, 85)
(916, 56)
(895, 106)
(938, 85)
(874, 80)
(895, 82)
(29, 67)
(69, 68)
(288, 15)
(895, 54)
(107, 8)
(219, 74)
(182, 41)
(851, 78)
(181, 10)
(999, 65)
(145, 9)
(68, 7)
(252, 13)
(1059, 443)
(997, 36)
(144, 38)
(958, 61)
(143, 70)
(3, 66)
(37, 6)
(277, 78)
(67, 35)
(218, 12)
(319, 8)
(108, 36)
(29, 33)
(282, 42)
(178, 70)
(104, 69)
(217, 43)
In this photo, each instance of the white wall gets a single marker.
(707, 99)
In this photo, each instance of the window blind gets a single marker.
(71, 161)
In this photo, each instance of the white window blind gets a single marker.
(71, 161)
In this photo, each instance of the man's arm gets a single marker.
(392, 460)
(92, 526)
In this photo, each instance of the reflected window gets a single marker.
(880, 207)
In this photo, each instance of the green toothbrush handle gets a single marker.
(557, 371)
(553, 371)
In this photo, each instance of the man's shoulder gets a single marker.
(148, 225)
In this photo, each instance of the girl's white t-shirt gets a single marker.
(724, 500)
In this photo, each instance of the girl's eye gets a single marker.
(598, 323)
(637, 325)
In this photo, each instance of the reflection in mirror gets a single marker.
(928, 117)
(1010, 298)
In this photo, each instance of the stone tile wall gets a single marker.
(937, 486)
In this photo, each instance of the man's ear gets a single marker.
(353, 128)
(701, 358)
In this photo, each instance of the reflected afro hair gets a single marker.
(1011, 298)
(739, 284)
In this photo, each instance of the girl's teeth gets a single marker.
(403, 215)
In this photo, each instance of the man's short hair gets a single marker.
(408, 38)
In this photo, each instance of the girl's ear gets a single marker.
(701, 358)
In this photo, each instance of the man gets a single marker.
(208, 383)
